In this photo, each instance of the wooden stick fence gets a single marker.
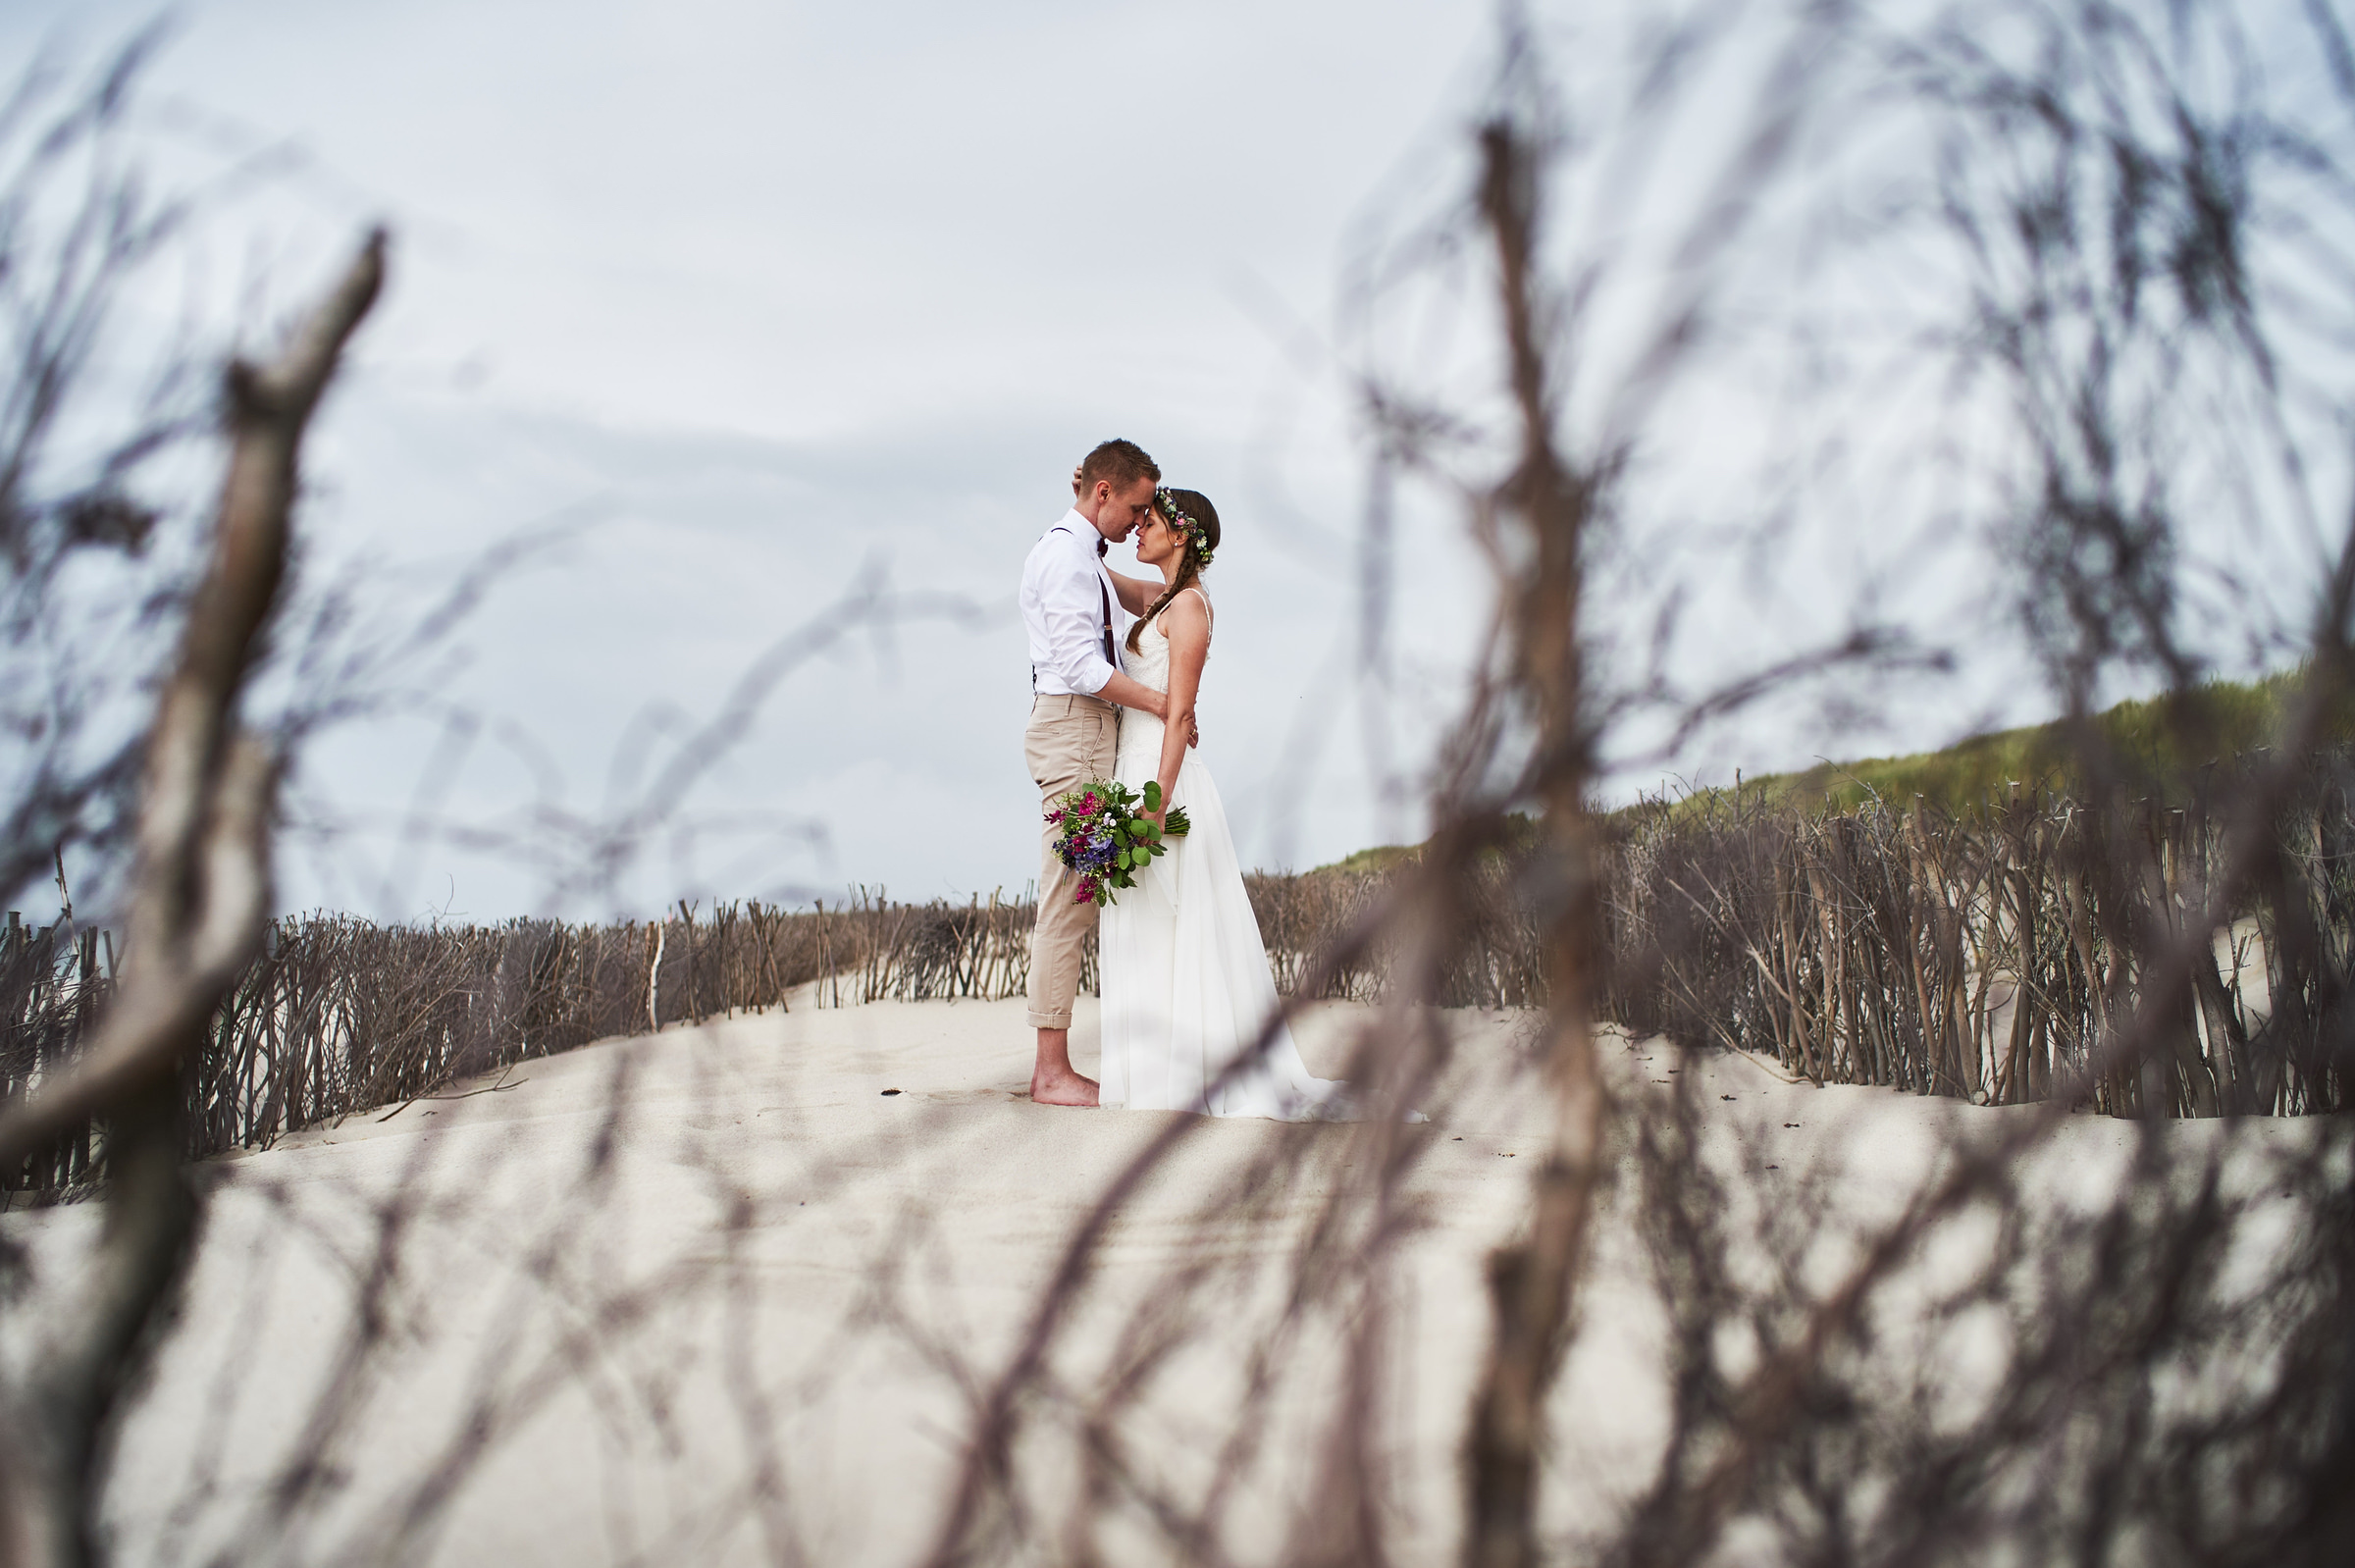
(339, 1016)
(1977, 957)
(52, 984)
(1982, 956)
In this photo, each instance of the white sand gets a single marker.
(889, 1246)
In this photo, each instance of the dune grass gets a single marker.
(2162, 742)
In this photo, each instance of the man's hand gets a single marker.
(1193, 725)
(1161, 711)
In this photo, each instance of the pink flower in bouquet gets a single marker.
(1087, 803)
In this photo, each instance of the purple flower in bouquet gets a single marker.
(1105, 838)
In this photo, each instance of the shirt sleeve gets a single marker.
(1072, 602)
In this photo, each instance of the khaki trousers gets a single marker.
(1071, 741)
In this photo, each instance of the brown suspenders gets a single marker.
(1103, 594)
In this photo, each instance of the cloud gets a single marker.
(679, 558)
(740, 299)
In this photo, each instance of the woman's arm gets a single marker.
(1136, 594)
(1187, 626)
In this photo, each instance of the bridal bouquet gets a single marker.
(1106, 840)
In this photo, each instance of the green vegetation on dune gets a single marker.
(1521, 832)
(1381, 858)
(2164, 741)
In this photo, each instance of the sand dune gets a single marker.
(639, 1286)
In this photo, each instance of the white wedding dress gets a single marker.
(1185, 981)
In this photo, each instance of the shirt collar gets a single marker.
(1078, 524)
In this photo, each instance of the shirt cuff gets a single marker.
(1093, 674)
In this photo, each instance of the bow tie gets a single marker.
(1103, 545)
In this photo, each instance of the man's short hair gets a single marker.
(1124, 462)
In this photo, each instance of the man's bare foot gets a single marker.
(1063, 1089)
(1053, 1081)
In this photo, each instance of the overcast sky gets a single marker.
(747, 296)
(739, 300)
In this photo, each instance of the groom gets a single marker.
(1077, 693)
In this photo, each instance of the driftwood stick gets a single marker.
(653, 978)
(200, 894)
(201, 884)
(1531, 1282)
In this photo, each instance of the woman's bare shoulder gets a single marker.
(1188, 612)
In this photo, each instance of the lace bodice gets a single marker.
(1149, 665)
(1140, 733)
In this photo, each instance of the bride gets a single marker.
(1185, 982)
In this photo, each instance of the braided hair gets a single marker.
(1190, 512)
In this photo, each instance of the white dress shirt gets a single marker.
(1066, 595)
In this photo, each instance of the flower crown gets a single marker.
(1196, 533)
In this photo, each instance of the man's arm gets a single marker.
(1145, 700)
(1072, 608)
(1070, 601)
(1134, 694)
(1122, 689)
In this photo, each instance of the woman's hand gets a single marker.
(1159, 816)
(1154, 807)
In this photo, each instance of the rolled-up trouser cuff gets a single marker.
(1040, 1020)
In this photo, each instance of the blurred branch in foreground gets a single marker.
(2026, 1335)
(200, 894)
